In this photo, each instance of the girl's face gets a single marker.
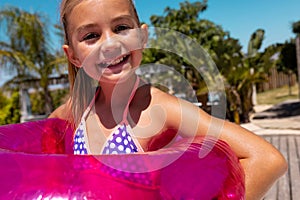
(105, 39)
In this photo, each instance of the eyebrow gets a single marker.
(84, 27)
(127, 17)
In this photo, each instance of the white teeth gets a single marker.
(117, 61)
(114, 62)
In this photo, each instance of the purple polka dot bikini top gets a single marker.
(120, 141)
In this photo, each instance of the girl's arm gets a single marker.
(263, 164)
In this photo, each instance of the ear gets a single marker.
(71, 55)
(144, 28)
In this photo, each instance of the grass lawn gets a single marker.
(278, 95)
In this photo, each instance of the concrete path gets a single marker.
(280, 119)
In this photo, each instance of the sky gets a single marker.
(239, 17)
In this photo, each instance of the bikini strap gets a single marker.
(86, 112)
(126, 110)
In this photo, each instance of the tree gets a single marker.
(242, 72)
(27, 51)
(248, 90)
(9, 108)
(183, 21)
(223, 49)
(288, 61)
(296, 30)
(186, 21)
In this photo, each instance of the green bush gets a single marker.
(38, 103)
(10, 109)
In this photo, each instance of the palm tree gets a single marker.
(27, 50)
(296, 30)
(254, 45)
(242, 72)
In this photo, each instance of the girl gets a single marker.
(104, 42)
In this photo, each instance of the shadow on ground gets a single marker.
(285, 109)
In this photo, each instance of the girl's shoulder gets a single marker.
(161, 97)
(173, 105)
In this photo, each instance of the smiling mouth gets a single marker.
(114, 63)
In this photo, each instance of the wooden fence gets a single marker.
(277, 79)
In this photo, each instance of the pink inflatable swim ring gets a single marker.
(37, 163)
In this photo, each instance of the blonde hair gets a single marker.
(80, 83)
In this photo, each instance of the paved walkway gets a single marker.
(280, 119)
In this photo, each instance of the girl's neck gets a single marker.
(116, 94)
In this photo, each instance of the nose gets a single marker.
(111, 45)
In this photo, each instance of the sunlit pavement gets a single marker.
(281, 119)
